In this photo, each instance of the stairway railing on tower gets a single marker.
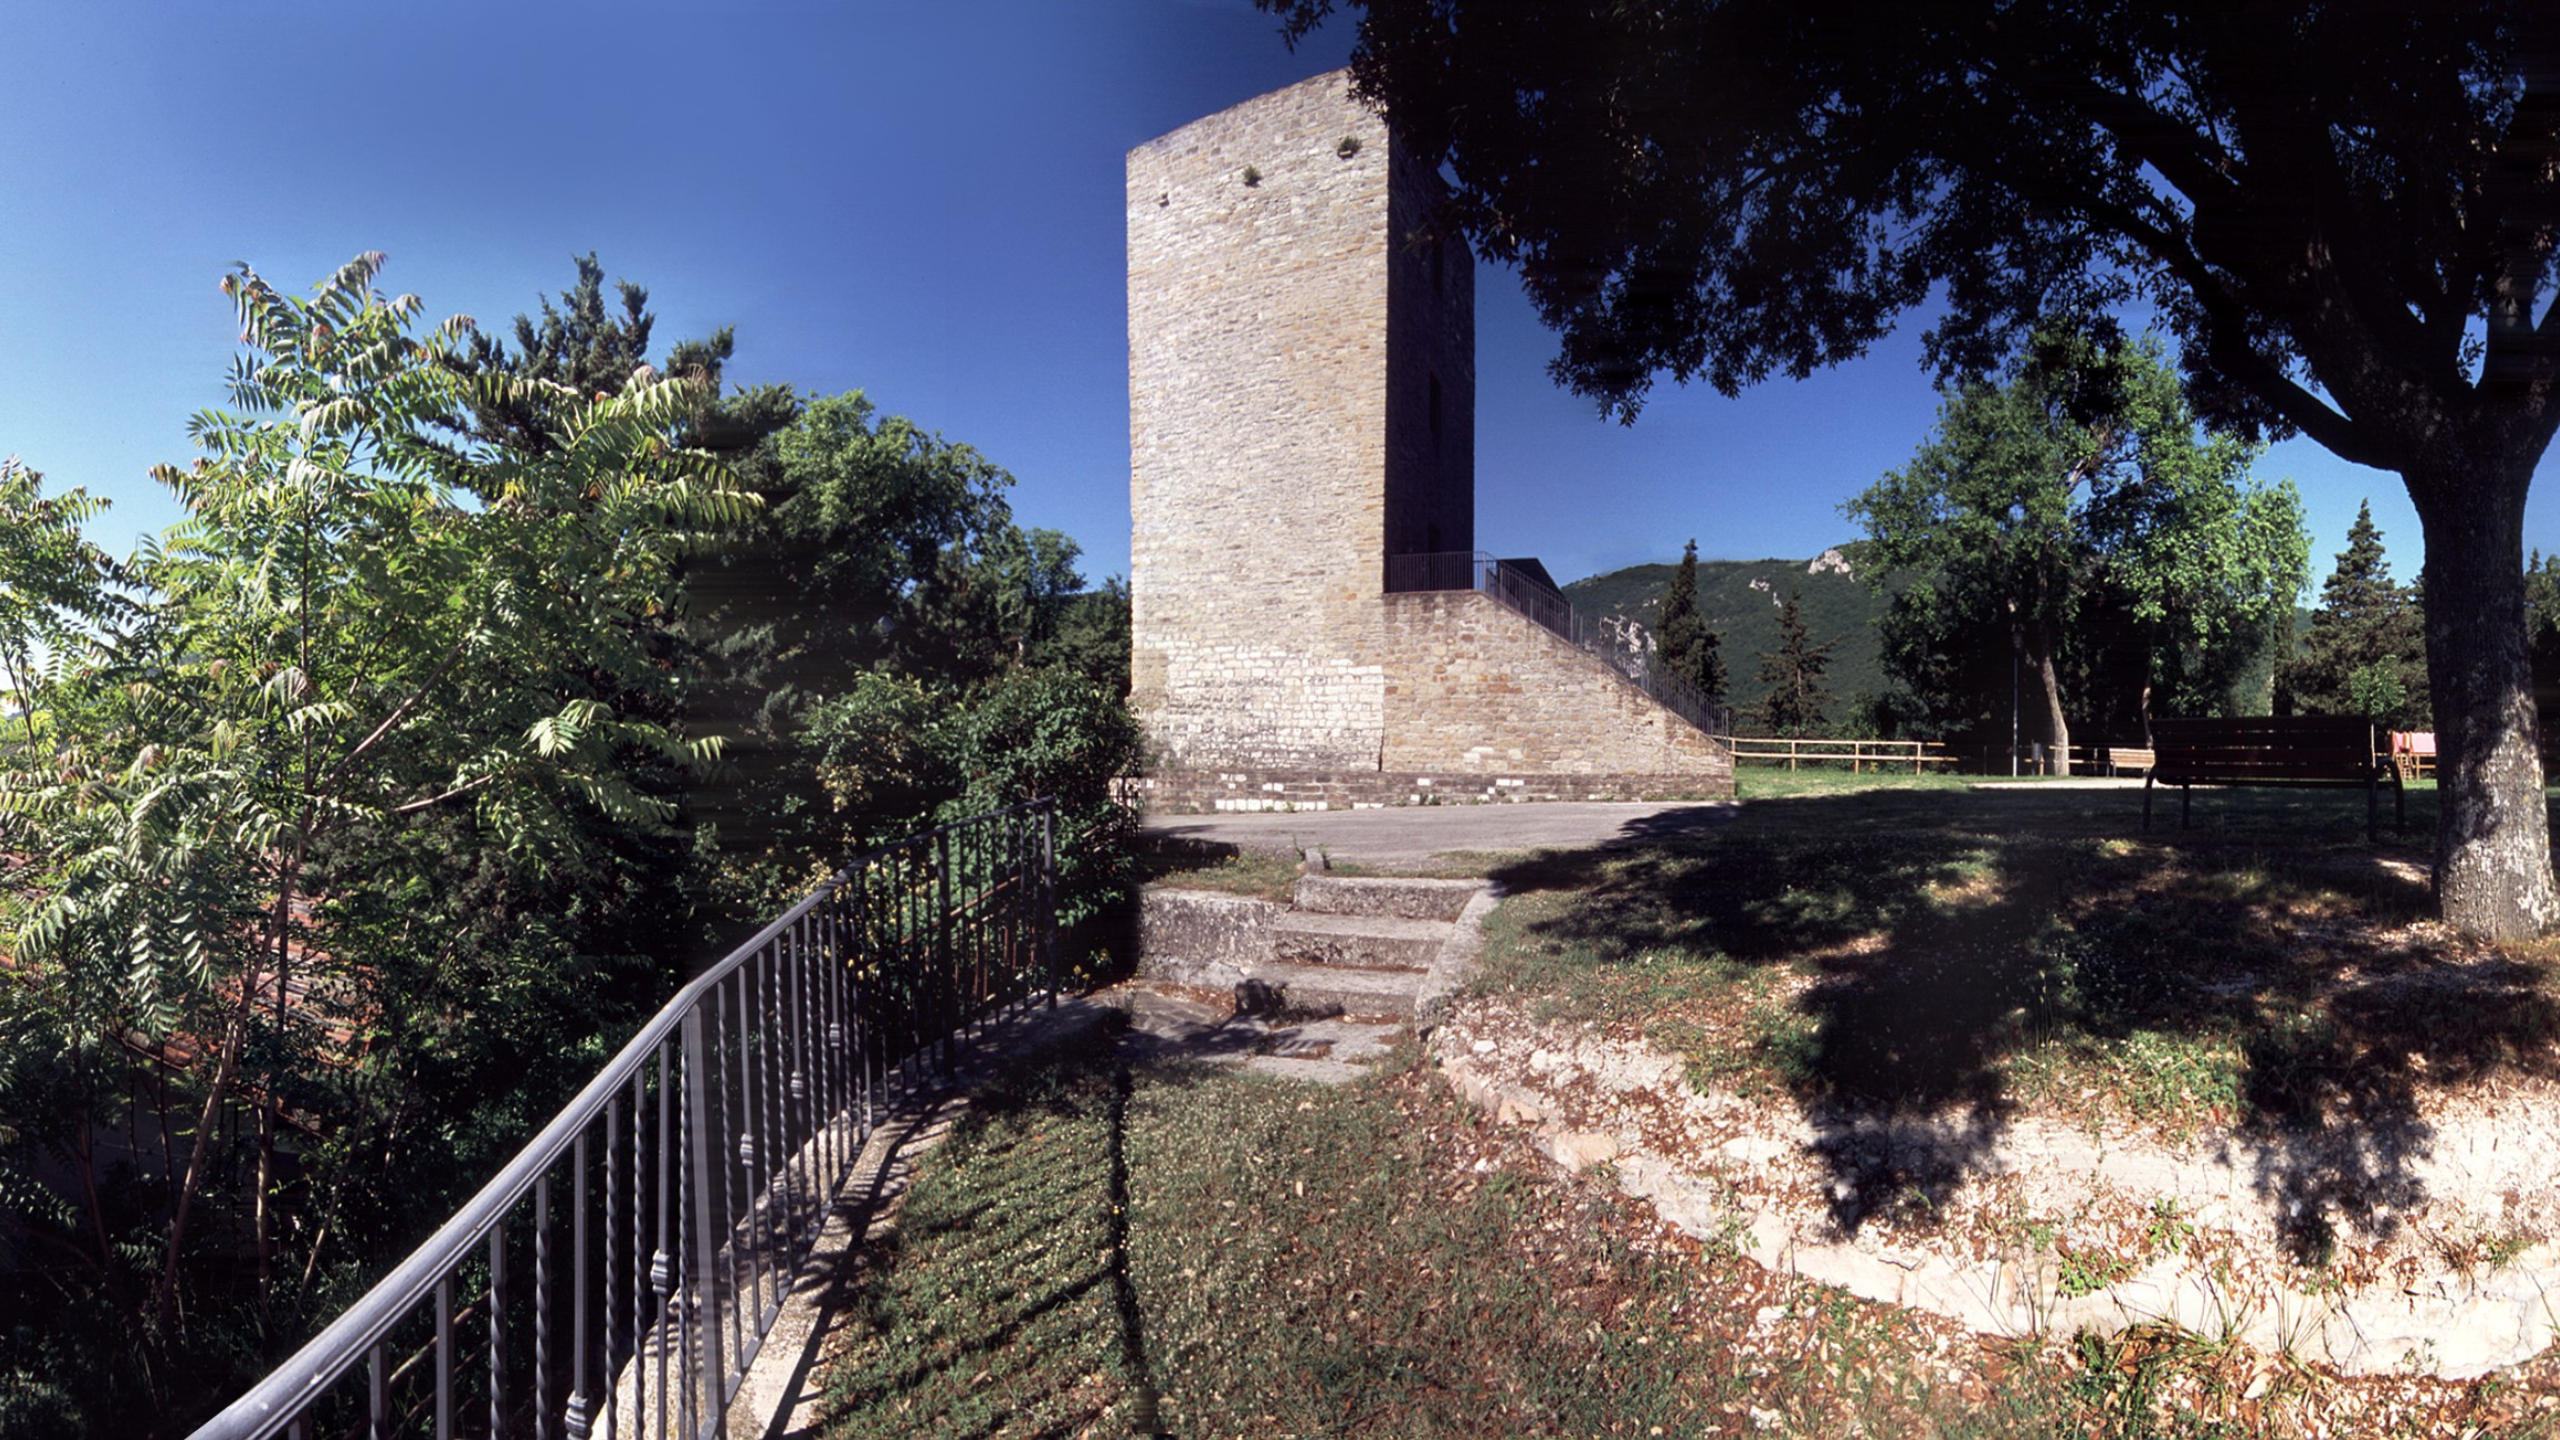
(1523, 586)
(619, 1275)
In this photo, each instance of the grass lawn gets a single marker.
(1097, 1251)
(1919, 947)
(1200, 1254)
(1264, 875)
(1102, 1252)
(1254, 874)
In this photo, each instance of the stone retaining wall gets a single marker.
(1184, 792)
(1476, 687)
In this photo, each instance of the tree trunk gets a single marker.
(164, 1299)
(2057, 730)
(2493, 843)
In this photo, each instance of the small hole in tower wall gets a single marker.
(1349, 147)
(1252, 176)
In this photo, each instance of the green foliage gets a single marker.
(1737, 602)
(893, 753)
(2542, 637)
(378, 718)
(1727, 191)
(578, 346)
(408, 714)
(881, 547)
(880, 640)
(1688, 649)
(2071, 522)
(1793, 674)
(895, 543)
(583, 349)
(1091, 637)
(2366, 650)
(56, 588)
(1055, 733)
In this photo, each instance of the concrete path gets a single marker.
(1418, 835)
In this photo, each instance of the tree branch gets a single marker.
(399, 712)
(2227, 341)
(434, 800)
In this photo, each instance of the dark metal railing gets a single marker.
(1621, 645)
(619, 1275)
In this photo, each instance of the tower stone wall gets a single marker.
(1257, 303)
(1301, 411)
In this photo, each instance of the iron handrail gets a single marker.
(286, 1393)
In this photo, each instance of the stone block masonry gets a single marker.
(1301, 411)
(1474, 687)
(1481, 706)
(1260, 269)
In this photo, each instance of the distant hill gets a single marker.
(1740, 599)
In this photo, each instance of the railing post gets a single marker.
(944, 981)
(662, 1267)
(577, 1417)
(497, 1300)
(699, 1070)
(444, 1358)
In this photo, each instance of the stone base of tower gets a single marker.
(1192, 792)
(1477, 704)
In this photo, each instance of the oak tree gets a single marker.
(2346, 215)
(2069, 525)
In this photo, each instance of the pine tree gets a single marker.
(1796, 699)
(2366, 652)
(1688, 649)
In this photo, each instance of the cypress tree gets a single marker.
(2366, 651)
(1796, 699)
(1687, 648)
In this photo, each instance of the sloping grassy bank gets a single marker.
(1929, 947)
(1375, 1260)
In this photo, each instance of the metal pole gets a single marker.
(699, 1070)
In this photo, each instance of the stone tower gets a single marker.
(1301, 406)
(1302, 413)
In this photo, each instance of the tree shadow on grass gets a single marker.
(2256, 974)
(1002, 1298)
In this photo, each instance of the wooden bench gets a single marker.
(2289, 750)
(2128, 759)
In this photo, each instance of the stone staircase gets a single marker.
(1301, 988)
(1358, 948)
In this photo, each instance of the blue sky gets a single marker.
(922, 201)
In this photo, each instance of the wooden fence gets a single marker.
(1859, 754)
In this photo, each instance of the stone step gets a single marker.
(1374, 942)
(1327, 990)
(1403, 897)
(1165, 1026)
(1182, 972)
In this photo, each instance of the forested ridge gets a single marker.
(1740, 599)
